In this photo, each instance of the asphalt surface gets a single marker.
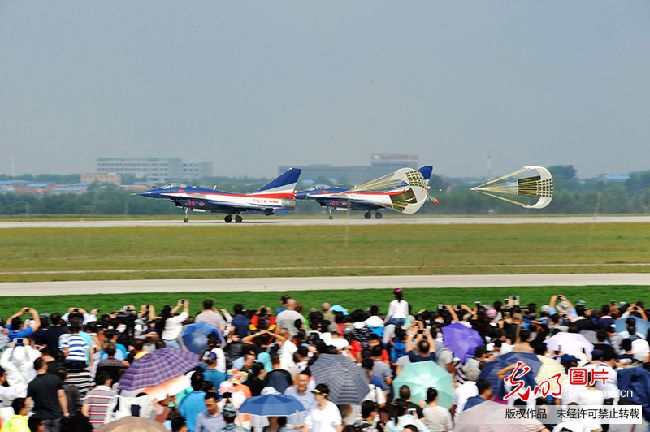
(356, 218)
(318, 283)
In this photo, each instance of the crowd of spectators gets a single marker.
(60, 371)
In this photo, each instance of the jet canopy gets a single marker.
(173, 186)
(531, 185)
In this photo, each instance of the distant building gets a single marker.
(613, 177)
(385, 163)
(155, 170)
(380, 164)
(111, 178)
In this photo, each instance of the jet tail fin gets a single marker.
(286, 182)
(426, 172)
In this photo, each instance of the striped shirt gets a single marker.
(76, 346)
(98, 400)
(80, 379)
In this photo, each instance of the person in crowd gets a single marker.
(19, 421)
(170, 327)
(193, 403)
(325, 417)
(50, 401)
(305, 397)
(211, 316)
(437, 418)
(210, 419)
(484, 388)
(97, 400)
(402, 417)
(240, 323)
(398, 310)
(229, 417)
(16, 326)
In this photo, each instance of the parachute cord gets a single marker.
(502, 177)
(504, 199)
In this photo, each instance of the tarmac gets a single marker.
(318, 283)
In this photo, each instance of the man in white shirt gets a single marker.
(464, 392)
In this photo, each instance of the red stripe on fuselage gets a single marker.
(269, 195)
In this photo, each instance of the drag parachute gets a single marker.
(530, 181)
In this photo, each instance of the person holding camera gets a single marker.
(170, 327)
(426, 349)
(16, 326)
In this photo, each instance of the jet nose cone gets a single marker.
(149, 194)
(301, 195)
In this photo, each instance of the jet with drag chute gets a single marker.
(275, 197)
(404, 191)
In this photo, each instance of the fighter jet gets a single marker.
(275, 197)
(404, 191)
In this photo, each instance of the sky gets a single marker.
(252, 85)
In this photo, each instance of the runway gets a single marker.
(318, 283)
(354, 219)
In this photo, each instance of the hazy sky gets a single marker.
(250, 85)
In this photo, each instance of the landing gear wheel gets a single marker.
(378, 215)
(186, 218)
(330, 217)
(329, 209)
(228, 218)
(238, 219)
(367, 215)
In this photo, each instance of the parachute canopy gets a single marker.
(530, 181)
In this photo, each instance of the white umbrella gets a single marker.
(570, 343)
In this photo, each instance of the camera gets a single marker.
(19, 341)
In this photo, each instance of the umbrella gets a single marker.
(271, 405)
(132, 424)
(195, 336)
(642, 325)
(491, 416)
(158, 367)
(461, 340)
(348, 382)
(420, 376)
(171, 387)
(490, 370)
(570, 343)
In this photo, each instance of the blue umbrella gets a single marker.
(641, 325)
(195, 336)
(347, 381)
(271, 405)
(490, 370)
(461, 340)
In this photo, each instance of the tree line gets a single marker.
(571, 196)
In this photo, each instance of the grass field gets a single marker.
(419, 298)
(223, 251)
